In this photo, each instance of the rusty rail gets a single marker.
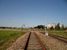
(27, 42)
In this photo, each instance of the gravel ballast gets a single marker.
(52, 43)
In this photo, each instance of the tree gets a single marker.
(57, 27)
(51, 28)
(40, 27)
(62, 27)
(23, 26)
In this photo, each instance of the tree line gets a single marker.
(57, 27)
(7, 27)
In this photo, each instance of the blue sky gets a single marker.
(32, 12)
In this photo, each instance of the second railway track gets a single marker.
(59, 38)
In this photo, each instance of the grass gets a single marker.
(61, 33)
(7, 37)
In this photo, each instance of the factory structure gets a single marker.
(53, 25)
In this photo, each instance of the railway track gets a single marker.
(34, 43)
(59, 38)
(30, 41)
(37, 41)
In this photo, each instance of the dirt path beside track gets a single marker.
(52, 43)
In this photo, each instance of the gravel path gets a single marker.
(52, 43)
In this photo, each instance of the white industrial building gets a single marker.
(53, 25)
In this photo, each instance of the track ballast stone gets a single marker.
(52, 43)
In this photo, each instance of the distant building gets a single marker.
(51, 25)
(61, 25)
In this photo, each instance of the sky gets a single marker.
(16, 13)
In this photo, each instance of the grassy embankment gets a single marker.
(7, 37)
(61, 33)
